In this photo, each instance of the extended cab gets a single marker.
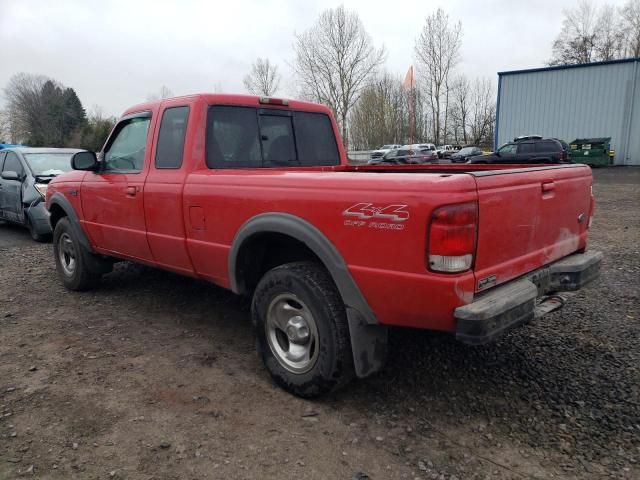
(255, 195)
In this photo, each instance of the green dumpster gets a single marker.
(591, 151)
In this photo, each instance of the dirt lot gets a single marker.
(154, 376)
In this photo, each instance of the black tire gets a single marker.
(81, 277)
(35, 235)
(313, 288)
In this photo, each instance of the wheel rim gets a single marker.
(292, 333)
(66, 254)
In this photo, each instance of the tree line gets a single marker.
(43, 112)
(336, 63)
(593, 33)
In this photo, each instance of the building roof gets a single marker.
(566, 67)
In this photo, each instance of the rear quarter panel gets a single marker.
(387, 262)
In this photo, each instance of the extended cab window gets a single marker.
(251, 137)
(170, 148)
(125, 150)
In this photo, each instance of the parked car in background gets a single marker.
(403, 156)
(445, 151)
(421, 147)
(545, 150)
(25, 173)
(465, 153)
(384, 149)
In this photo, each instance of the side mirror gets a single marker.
(84, 161)
(11, 175)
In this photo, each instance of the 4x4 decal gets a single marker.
(365, 211)
(385, 217)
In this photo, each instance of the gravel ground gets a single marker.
(154, 376)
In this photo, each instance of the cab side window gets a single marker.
(125, 150)
(170, 148)
(12, 164)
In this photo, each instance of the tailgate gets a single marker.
(529, 218)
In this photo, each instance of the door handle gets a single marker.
(131, 191)
(548, 187)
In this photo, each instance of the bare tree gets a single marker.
(164, 92)
(25, 105)
(264, 78)
(461, 100)
(576, 42)
(438, 49)
(5, 127)
(591, 33)
(610, 39)
(376, 118)
(334, 60)
(630, 20)
(482, 112)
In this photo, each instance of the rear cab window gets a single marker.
(249, 137)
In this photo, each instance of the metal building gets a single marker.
(575, 101)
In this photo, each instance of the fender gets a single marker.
(368, 338)
(61, 201)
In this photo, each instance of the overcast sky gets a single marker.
(117, 53)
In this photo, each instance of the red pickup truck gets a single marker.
(255, 195)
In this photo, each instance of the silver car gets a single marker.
(24, 175)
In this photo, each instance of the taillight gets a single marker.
(563, 156)
(452, 238)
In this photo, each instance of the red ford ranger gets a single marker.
(255, 195)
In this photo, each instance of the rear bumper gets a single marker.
(519, 301)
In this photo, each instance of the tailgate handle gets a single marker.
(548, 187)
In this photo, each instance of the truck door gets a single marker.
(112, 199)
(163, 199)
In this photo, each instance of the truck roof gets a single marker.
(233, 99)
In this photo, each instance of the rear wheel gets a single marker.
(72, 259)
(301, 328)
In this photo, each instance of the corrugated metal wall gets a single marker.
(569, 103)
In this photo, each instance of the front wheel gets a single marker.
(72, 262)
(302, 331)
